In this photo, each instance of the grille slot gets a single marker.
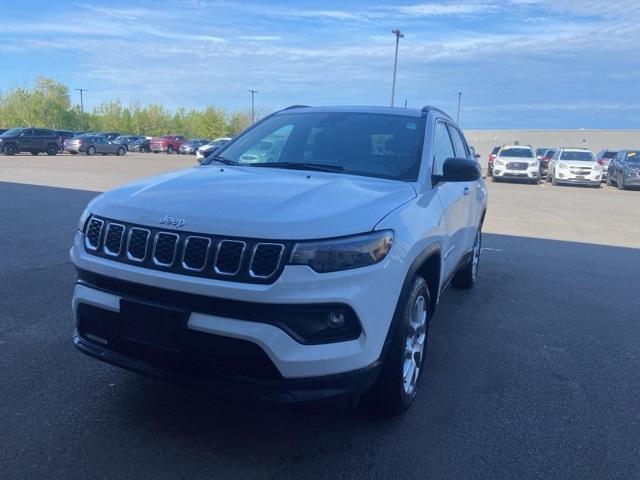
(137, 244)
(94, 232)
(194, 256)
(265, 259)
(164, 249)
(229, 257)
(113, 239)
(517, 165)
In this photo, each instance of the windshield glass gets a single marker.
(374, 145)
(12, 132)
(495, 150)
(633, 156)
(578, 156)
(517, 152)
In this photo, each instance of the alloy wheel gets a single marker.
(414, 345)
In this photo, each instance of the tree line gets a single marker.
(47, 104)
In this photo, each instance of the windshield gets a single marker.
(578, 156)
(12, 132)
(633, 156)
(374, 145)
(495, 150)
(517, 152)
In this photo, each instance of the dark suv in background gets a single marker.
(34, 140)
(624, 169)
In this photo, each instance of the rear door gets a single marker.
(42, 137)
(454, 201)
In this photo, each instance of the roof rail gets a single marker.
(427, 108)
(294, 106)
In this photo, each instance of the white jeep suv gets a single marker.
(516, 162)
(311, 273)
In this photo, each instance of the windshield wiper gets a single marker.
(226, 161)
(300, 166)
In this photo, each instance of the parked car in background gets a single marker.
(544, 162)
(142, 144)
(191, 146)
(166, 143)
(624, 169)
(516, 162)
(490, 160)
(93, 144)
(34, 140)
(576, 166)
(540, 151)
(109, 135)
(603, 158)
(210, 147)
(126, 140)
(64, 135)
(311, 276)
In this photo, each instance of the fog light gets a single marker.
(336, 319)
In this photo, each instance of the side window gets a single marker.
(27, 133)
(442, 147)
(458, 143)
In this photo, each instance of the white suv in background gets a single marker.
(308, 274)
(204, 150)
(516, 162)
(576, 166)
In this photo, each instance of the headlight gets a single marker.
(499, 162)
(597, 168)
(562, 166)
(533, 164)
(343, 253)
(82, 223)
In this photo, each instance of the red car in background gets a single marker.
(166, 143)
(544, 162)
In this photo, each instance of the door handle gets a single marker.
(466, 190)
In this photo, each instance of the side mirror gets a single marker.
(458, 170)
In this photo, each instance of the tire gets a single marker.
(397, 385)
(121, 151)
(620, 182)
(90, 151)
(73, 153)
(35, 153)
(609, 181)
(52, 149)
(10, 149)
(170, 150)
(465, 278)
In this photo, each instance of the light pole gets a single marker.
(81, 107)
(398, 35)
(458, 116)
(253, 114)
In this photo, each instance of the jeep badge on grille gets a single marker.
(176, 222)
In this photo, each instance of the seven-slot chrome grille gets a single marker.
(235, 259)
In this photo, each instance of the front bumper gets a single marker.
(569, 178)
(371, 292)
(532, 173)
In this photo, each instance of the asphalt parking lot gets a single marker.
(534, 374)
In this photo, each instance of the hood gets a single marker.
(257, 202)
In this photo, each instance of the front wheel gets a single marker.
(465, 278)
(91, 151)
(620, 182)
(396, 387)
(35, 152)
(121, 151)
(10, 149)
(609, 181)
(170, 149)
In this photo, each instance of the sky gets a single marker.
(519, 63)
